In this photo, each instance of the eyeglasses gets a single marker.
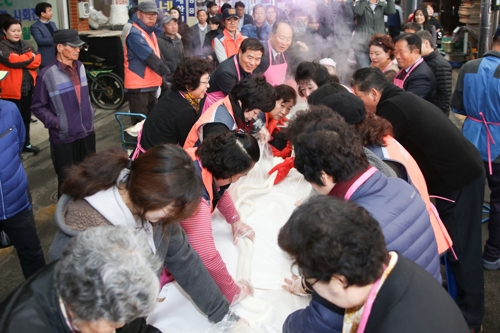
(208, 81)
(309, 285)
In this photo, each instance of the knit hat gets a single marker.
(148, 7)
(348, 106)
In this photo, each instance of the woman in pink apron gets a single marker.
(381, 54)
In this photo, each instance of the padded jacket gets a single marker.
(21, 61)
(442, 72)
(13, 180)
(404, 220)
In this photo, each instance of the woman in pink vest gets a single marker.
(376, 134)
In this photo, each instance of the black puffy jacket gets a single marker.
(442, 72)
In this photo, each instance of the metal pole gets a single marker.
(485, 33)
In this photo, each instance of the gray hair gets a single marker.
(368, 78)
(108, 273)
(425, 35)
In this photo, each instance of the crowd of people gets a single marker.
(373, 139)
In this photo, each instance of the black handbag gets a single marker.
(4, 240)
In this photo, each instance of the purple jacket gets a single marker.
(55, 103)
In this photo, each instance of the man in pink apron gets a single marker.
(415, 75)
(233, 70)
(274, 64)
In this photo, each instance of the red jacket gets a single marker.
(14, 60)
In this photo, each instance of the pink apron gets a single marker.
(489, 137)
(211, 98)
(275, 74)
(400, 83)
(387, 67)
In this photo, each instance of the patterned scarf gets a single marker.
(352, 316)
(194, 102)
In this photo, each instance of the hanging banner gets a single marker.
(186, 7)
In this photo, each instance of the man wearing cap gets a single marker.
(229, 41)
(144, 68)
(170, 44)
(477, 96)
(61, 101)
(274, 64)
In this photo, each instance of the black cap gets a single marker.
(348, 106)
(68, 36)
(229, 13)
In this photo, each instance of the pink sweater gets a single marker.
(199, 231)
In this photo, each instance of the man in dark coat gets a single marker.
(198, 33)
(171, 48)
(453, 169)
(43, 32)
(232, 71)
(415, 76)
(441, 69)
(244, 19)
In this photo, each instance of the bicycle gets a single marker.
(105, 87)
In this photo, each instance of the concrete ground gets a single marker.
(43, 186)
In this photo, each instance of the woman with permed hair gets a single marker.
(381, 54)
(220, 161)
(359, 285)
(176, 112)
